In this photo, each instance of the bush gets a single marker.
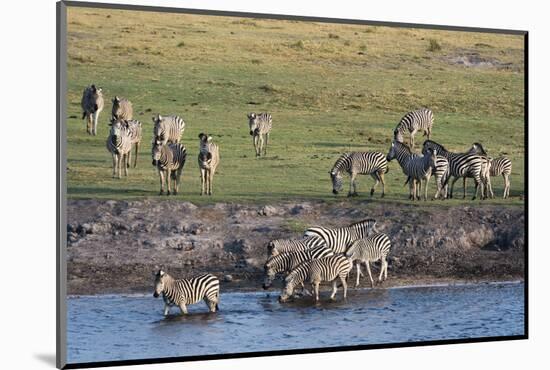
(434, 45)
(333, 36)
(181, 44)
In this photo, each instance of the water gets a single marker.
(106, 328)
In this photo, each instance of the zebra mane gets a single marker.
(395, 142)
(438, 146)
(337, 168)
(362, 222)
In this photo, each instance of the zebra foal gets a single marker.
(119, 144)
(370, 249)
(359, 163)
(418, 120)
(122, 108)
(209, 158)
(168, 129)
(339, 239)
(314, 272)
(277, 246)
(92, 104)
(169, 160)
(183, 292)
(259, 125)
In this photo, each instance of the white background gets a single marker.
(27, 135)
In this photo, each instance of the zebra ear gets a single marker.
(209, 139)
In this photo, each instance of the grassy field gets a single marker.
(330, 88)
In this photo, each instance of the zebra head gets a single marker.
(337, 181)
(160, 279)
(398, 135)
(392, 154)
(252, 122)
(477, 148)
(156, 123)
(269, 275)
(116, 128)
(205, 158)
(288, 289)
(155, 151)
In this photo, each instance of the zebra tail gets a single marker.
(408, 179)
(83, 115)
(387, 169)
(217, 307)
(446, 179)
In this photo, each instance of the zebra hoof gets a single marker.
(372, 192)
(382, 196)
(168, 193)
(350, 195)
(161, 192)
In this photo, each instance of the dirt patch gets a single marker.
(114, 246)
(472, 59)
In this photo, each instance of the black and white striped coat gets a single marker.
(169, 160)
(168, 129)
(285, 262)
(277, 246)
(134, 130)
(461, 165)
(501, 166)
(183, 292)
(209, 159)
(359, 163)
(119, 144)
(92, 104)
(122, 108)
(314, 272)
(412, 122)
(339, 239)
(259, 125)
(370, 249)
(417, 167)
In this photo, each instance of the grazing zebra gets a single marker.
(260, 126)
(92, 105)
(421, 119)
(501, 166)
(133, 127)
(461, 165)
(209, 158)
(364, 163)
(370, 249)
(285, 262)
(122, 108)
(169, 160)
(339, 239)
(278, 246)
(181, 292)
(416, 167)
(315, 271)
(168, 129)
(119, 144)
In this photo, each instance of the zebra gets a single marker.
(92, 104)
(135, 132)
(260, 126)
(169, 160)
(421, 119)
(501, 166)
(182, 292)
(277, 246)
(318, 270)
(339, 239)
(285, 262)
(364, 163)
(461, 165)
(370, 249)
(416, 167)
(168, 129)
(209, 158)
(119, 144)
(122, 108)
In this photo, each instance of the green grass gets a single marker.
(327, 95)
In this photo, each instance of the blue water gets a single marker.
(118, 327)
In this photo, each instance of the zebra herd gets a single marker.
(321, 254)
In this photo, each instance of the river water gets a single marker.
(126, 327)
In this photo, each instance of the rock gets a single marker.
(269, 211)
(301, 208)
(228, 278)
(189, 206)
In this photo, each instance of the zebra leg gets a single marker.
(315, 286)
(183, 308)
(211, 303)
(168, 181)
(88, 123)
(334, 289)
(119, 165)
(202, 180)
(161, 175)
(376, 181)
(506, 187)
(464, 187)
(95, 117)
(344, 285)
(265, 145)
(358, 273)
(370, 275)
(385, 269)
(129, 157)
(166, 309)
(426, 188)
(125, 163)
(210, 176)
(114, 164)
(352, 186)
(136, 154)
(381, 175)
(453, 185)
(261, 141)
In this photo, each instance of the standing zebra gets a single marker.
(182, 292)
(501, 166)
(169, 160)
(260, 126)
(339, 239)
(285, 262)
(421, 119)
(278, 246)
(119, 144)
(209, 158)
(364, 163)
(370, 249)
(168, 129)
(416, 167)
(92, 104)
(441, 174)
(122, 108)
(133, 127)
(461, 165)
(316, 271)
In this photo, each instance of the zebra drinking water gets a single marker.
(370, 249)
(169, 160)
(355, 163)
(168, 129)
(260, 127)
(119, 144)
(339, 239)
(314, 272)
(277, 246)
(418, 120)
(92, 104)
(183, 292)
(122, 108)
(209, 158)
